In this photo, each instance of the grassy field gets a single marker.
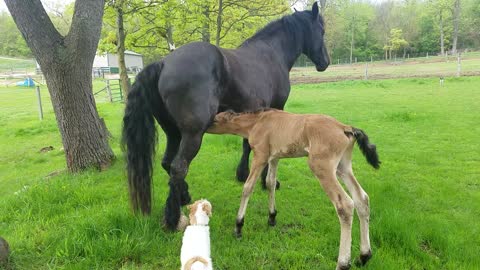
(425, 200)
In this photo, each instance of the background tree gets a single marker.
(66, 62)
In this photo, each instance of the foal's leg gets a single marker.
(178, 196)
(242, 169)
(361, 201)
(258, 164)
(271, 179)
(324, 169)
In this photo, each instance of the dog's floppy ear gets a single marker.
(207, 207)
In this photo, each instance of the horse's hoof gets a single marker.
(182, 223)
(277, 185)
(344, 266)
(272, 222)
(238, 234)
(363, 259)
(272, 218)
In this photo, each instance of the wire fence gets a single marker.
(426, 66)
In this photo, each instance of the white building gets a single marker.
(133, 61)
(108, 62)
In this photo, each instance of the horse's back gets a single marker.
(190, 84)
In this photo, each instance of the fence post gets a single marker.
(427, 54)
(109, 91)
(39, 98)
(459, 65)
(371, 59)
(366, 70)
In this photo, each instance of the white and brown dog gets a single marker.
(195, 254)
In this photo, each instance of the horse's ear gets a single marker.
(295, 9)
(315, 10)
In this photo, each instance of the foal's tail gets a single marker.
(368, 150)
(140, 136)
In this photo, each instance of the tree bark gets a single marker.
(66, 63)
(442, 38)
(121, 36)
(456, 18)
(169, 37)
(206, 24)
(219, 22)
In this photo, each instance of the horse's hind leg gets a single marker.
(324, 170)
(178, 196)
(173, 141)
(361, 201)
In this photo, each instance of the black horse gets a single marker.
(184, 91)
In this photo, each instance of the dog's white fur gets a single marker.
(195, 254)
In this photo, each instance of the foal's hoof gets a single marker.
(238, 234)
(344, 266)
(363, 259)
(272, 218)
(277, 185)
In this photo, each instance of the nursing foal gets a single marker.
(274, 134)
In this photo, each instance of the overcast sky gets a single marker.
(46, 3)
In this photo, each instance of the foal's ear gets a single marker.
(315, 10)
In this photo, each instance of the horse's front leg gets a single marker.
(258, 164)
(242, 168)
(178, 196)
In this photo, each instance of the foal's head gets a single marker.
(313, 41)
(230, 122)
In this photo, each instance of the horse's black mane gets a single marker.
(293, 24)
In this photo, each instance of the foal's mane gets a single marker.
(293, 24)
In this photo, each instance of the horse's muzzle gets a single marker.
(321, 67)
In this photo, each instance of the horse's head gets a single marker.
(314, 43)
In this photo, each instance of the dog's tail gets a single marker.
(368, 150)
(193, 265)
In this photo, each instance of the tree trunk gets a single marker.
(456, 19)
(169, 37)
(323, 5)
(219, 22)
(121, 36)
(442, 38)
(206, 24)
(66, 63)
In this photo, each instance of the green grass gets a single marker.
(425, 200)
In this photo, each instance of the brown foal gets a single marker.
(274, 134)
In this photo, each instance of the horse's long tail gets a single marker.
(368, 150)
(140, 136)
